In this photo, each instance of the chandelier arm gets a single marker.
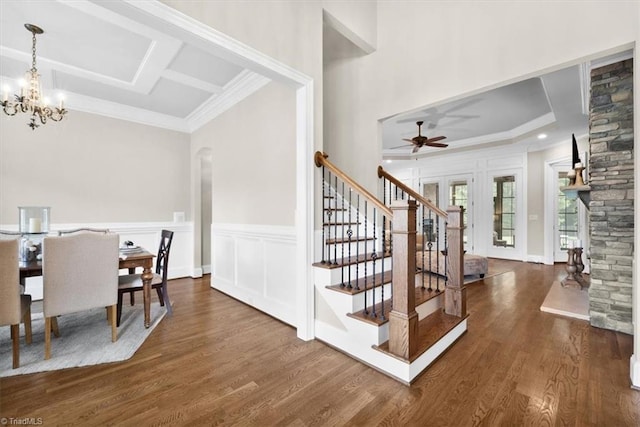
(9, 109)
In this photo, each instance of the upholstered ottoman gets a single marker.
(474, 265)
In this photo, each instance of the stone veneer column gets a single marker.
(612, 199)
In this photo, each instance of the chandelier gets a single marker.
(31, 99)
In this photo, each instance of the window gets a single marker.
(458, 197)
(567, 220)
(504, 211)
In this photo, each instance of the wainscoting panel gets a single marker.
(145, 234)
(256, 265)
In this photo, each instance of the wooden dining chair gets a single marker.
(14, 307)
(79, 272)
(131, 283)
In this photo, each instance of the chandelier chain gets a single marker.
(33, 53)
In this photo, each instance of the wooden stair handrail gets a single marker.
(425, 202)
(321, 160)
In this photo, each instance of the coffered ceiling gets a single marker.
(108, 58)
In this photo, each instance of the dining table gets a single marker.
(127, 260)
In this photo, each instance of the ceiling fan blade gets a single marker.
(399, 146)
(415, 149)
(408, 140)
(436, 144)
(436, 138)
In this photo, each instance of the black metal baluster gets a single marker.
(329, 214)
(335, 222)
(373, 288)
(342, 234)
(374, 256)
(349, 234)
(446, 259)
(422, 247)
(366, 221)
(324, 211)
(357, 238)
(430, 246)
(391, 255)
(382, 271)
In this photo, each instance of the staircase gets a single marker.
(371, 301)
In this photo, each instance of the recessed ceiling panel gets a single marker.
(492, 112)
(80, 40)
(204, 66)
(167, 97)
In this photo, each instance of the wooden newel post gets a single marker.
(403, 319)
(455, 296)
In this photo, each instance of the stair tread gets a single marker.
(343, 262)
(347, 240)
(371, 281)
(422, 296)
(430, 330)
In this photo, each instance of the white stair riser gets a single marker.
(346, 303)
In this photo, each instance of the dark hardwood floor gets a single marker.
(219, 362)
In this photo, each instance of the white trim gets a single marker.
(88, 104)
(536, 259)
(635, 297)
(239, 88)
(304, 212)
(347, 33)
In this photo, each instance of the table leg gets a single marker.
(147, 275)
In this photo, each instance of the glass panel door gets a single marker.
(567, 219)
(504, 211)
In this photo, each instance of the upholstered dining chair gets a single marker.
(14, 307)
(79, 230)
(79, 272)
(131, 283)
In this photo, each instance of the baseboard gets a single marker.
(206, 269)
(536, 259)
(634, 369)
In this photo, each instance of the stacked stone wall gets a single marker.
(612, 196)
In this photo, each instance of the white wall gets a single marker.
(253, 158)
(253, 166)
(428, 52)
(91, 169)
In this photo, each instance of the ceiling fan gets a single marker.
(419, 141)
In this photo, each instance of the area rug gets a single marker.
(568, 302)
(85, 339)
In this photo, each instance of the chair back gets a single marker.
(79, 230)
(162, 260)
(9, 283)
(9, 235)
(80, 272)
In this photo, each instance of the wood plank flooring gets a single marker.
(219, 362)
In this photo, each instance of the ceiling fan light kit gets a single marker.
(420, 141)
(31, 98)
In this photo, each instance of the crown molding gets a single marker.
(88, 104)
(246, 83)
